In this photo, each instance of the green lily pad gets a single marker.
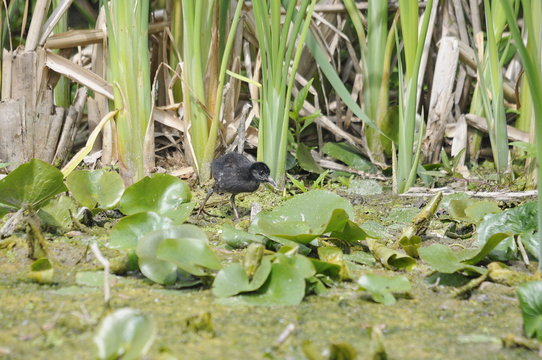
(130, 229)
(126, 333)
(530, 241)
(96, 188)
(350, 233)
(530, 302)
(285, 284)
(474, 256)
(31, 184)
(58, 212)
(444, 260)
(181, 212)
(184, 247)
(383, 287)
(411, 244)
(305, 217)
(521, 220)
(472, 210)
(160, 193)
(233, 279)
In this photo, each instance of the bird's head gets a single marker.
(260, 171)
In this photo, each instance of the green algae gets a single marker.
(58, 321)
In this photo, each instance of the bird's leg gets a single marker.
(232, 199)
(205, 201)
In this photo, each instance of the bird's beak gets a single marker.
(272, 182)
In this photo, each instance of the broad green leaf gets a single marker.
(160, 193)
(96, 188)
(350, 233)
(444, 260)
(383, 287)
(302, 263)
(233, 280)
(185, 247)
(31, 184)
(284, 286)
(301, 97)
(531, 243)
(161, 272)
(238, 239)
(189, 252)
(411, 244)
(130, 229)
(58, 212)
(304, 217)
(181, 213)
(126, 333)
(530, 302)
(472, 210)
(474, 256)
(349, 155)
(305, 159)
(521, 220)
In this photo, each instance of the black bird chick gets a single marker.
(234, 173)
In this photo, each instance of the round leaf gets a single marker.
(97, 188)
(129, 230)
(187, 247)
(517, 221)
(159, 193)
(230, 281)
(284, 286)
(304, 217)
(530, 302)
(31, 184)
(58, 212)
(126, 334)
(161, 252)
(233, 279)
(382, 287)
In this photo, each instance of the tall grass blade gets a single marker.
(533, 70)
(129, 72)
